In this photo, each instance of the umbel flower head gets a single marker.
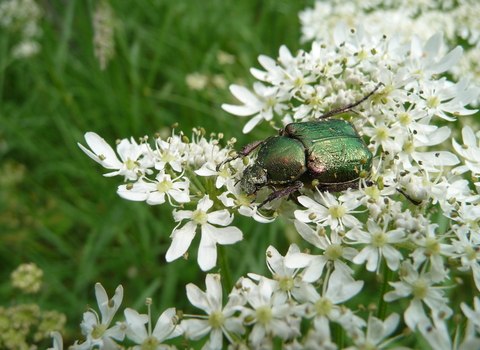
(404, 110)
(399, 122)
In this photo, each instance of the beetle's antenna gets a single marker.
(246, 150)
(350, 106)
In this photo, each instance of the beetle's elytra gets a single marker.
(329, 151)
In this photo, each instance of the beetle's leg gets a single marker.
(246, 150)
(340, 187)
(350, 106)
(408, 197)
(283, 192)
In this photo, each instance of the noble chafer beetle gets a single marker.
(328, 152)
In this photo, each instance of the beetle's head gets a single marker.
(254, 177)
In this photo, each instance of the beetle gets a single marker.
(328, 152)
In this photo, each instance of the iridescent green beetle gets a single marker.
(328, 152)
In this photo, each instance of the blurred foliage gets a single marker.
(56, 209)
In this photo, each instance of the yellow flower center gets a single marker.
(130, 164)
(264, 314)
(271, 102)
(164, 186)
(298, 82)
(337, 211)
(199, 217)
(433, 101)
(420, 289)
(333, 251)
(286, 283)
(409, 147)
(150, 343)
(432, 246)
(382, 133)
(216, 319)
(379, 239)
(373, 192)
(405, 118)
(323, 306)
(243, 200)
(471, 253)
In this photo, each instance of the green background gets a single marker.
(56, 208)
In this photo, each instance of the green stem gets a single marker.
(224, 269)
(195, 181)
(382, 304)
(339, 335)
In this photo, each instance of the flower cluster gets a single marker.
(99, 334)
(22, 17)
(27, 278)
(172, 172)
(404, 19)
(398, 101)
(103, 40)
(261, 310)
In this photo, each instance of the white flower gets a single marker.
(317, 340)
(472, 315)
(98, 333)
(269, 319)
(330, 211)
(211, 235)
(209, 168)
(170, 152)
(57, 341)
(427, 160)
(440, 97)
(378, 243)
(423, 60)
(220, 320)
(419, 286)
(154, 192)
(377, 331)
(466, 248)
(26, 49)
(129, 151)
(196, 81)
(286, 285)
(263, 102)
(438, 334)
(314, 264)
(470, 150)
(277, 74)
(164, 329)
(241, 201)
(324, 308)
(431, 248)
